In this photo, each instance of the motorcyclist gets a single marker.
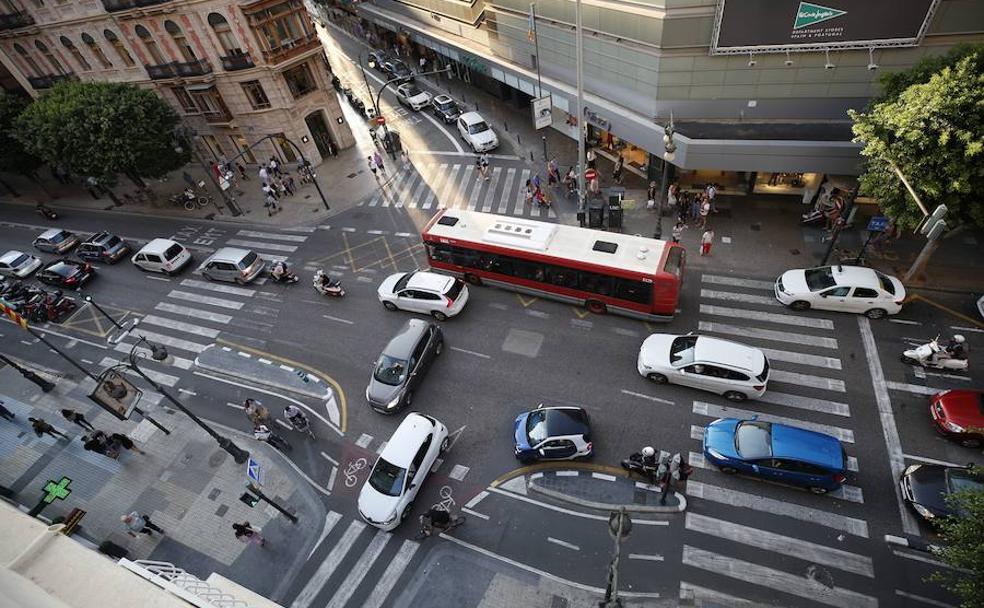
(322, 280)
(280, 272)
(955, 348)
(649, 457)
(298, 419)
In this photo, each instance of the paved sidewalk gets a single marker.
(185, 483)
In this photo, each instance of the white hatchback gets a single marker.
(711, 364)
(429, 293)
(162, 255)
(841, 288)
(387, 496)
(474, 130)
(18, 264)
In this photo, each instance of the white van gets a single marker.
(162, 255)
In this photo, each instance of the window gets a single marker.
(675, 260)
(180, 41)
(886, 283)
(150, 44)
(286, 151)
(68, 44)
(819, 278)
(96, 51)
(241, 146)
(300, 80)
(55, 64)
(562, 277)
(184, 100)
(633, 291)
(837, 292)
(595, 283)
(282, 25)
(227, 40)
(121, 50)
(863, 292)
(256, 95)
(492, 262)
(33, 68)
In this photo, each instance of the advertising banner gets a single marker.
(542, 116)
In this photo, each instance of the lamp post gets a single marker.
(375, 102)
(669, 154)
(89, 299)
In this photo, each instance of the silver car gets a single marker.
(402, 365)
(18, 264)
(233, 265)
(56, 240)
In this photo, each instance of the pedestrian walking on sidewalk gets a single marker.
(378, 159)
(291, 185)
(271, 204)
(405, 157)
(617, 171)
(264, 174)
(672, 194)
(96, 441)
(139, 524)
(711, 192)
(43, 428)
(270, 190)
(678, 230)
(126, 443)
(242, 172)
(706, 240)
(591, 158)
(246, 533)
(274, 167)
(651, 193)
(77, 418)
(5, 413)
(374, 168)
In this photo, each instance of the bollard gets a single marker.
(505, 125)
(544, 138)
(531, 155)
(519, 139)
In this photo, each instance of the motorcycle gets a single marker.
(934, 356)
(263, 433)
(327, 286)
(634, 464)
(287, 278)
(47, 212)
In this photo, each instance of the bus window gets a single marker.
(562, 277)
(633, 291)
(439, 252)
(493, 262)
(595, 283)
(675, 260)
(531, 271)
(465, 257)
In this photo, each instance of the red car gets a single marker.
(959, 415)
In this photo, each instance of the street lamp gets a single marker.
(669, 154)
(375, 103)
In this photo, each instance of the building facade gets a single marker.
(236, 71)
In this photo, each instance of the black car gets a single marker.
(446, 108)
(402, 365)
(394, 68)
(377, 59)
(925, 488)
(66, 273)
(103, 247)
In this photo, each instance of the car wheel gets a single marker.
(735, 396)
(389, 305)
(439, 348)
(406, 511)
(525, 460)
(970, 443)
(445, 444)
(818, 490)
(728, 470)
(657, 378)
(800, 305)
(875, 313)
(596, 307)
(440, 316)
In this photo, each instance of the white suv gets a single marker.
(429, 293)
(412, 97)
(387, 496)
(474, 130)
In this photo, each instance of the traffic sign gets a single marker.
(878, 223)
(380, 120)
(253, 472)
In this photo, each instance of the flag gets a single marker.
(530, 34)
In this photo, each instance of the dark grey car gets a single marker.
(103, 247)
(402, 365)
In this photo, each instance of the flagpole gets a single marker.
(536, 46)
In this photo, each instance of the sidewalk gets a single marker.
(185, 483)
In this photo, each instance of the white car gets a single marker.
(412, 97)
(841, 288)
(387, 496)
(477, 132)
(162, 255)
(18, 264)
(429, 293)
(720, 366)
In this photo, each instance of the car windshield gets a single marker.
(958, 480)
(478, 127)
(172, 252)
(455, 290)
(63, 269)
(886, 283)
(819, 278)
(412, 91)
(448, 106)
(402, 283)
(753, 439)
(391, 371)
(112, 241)
(536, 426)
(682, 350)
(387, 478)
(19, 261)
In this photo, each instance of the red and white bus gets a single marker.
(602, 271)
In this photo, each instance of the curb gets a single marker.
(602, 506)
(910, 542)
(323, 394)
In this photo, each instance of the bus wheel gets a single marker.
(596, 307)
(472, 279)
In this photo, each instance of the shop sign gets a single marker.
(597, 120)
(542, 112)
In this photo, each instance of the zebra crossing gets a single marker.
(459, 186)
(807, 389)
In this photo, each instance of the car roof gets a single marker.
(11, 255)
(406, 339)
(430, 281)
(407, 439)
(99, 237)
(566, 420)
(856, 276)
(807, 446)
(471, 118)
(442, 99)
(229, 254)
(158, 246)
(726, 352)
(50, 232)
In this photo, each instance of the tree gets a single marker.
(933, 132)
(13, 157)
(103, 129)
(963, 548)
(894, 83)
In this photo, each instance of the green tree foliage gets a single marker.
(894, 83)
(13, 157)
(963, 548)
(934, 133)
(103, 129)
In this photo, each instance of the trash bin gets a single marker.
(596, 217)
(615, 217)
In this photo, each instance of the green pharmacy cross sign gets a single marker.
(810, 14)
(52, 492)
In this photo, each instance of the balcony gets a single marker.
(218, 118)
(241, 61)
(199, 67)
(15, 20)
(49, 80)
(291, 49)
(115, 6)
(161, 72)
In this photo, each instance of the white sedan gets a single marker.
(18, 264)
(720, 366)
(841, 288)
(412, 97)
(387, 497)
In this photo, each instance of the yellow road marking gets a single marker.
(961, 316)
(347, 251)
(526, 303)
(103, 326)
(559, 466)
(389, 254)
(580, 313)
(409, 250)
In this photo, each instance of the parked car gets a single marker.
(412, 97)
(552, 433)
(233, 264)
(841, 288)
(711, 364)
(776, 452)
(387, 497)
(958, 415)
(18, 264)
(403, 364)
(429, 293)
(474, 130)
(103, 247)
(925, 488)
(446, 108)
(66, 273)
(398, 69)
(162, 255)
(56, 240)
(377, 59)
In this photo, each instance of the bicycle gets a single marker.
(428, 524)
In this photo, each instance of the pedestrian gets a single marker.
(705, 209)
(617, 171)
(139, 524)
(423, 63)
(678, 230)
(264, 174)
(291, 185)
(274, 167)
(270, 190)
(536, 182)
(651, 193)
(373, 168)
(671, 194)
(242, 172)
(76, 417)
(43, 428)
(378, 159)
(529, 192)
(255, 411)
(591, 158)
(711, 191)
(595, 187)
(553, 175)
(271, 205)
(405, 157)
(126, 442)
(278, 183)
(484, 159)
(4, 412)
(96, 442)
(706, 240)
(248, 534)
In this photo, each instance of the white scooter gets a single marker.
(933, 356)
(330, 287)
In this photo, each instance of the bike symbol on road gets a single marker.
(350, 472)
(446, 501)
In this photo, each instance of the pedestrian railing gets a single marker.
(187, 586)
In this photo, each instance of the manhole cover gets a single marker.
(217, 458)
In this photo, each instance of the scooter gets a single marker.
(634, 464)
(933, 356)
(47, 212)
(287, 278)
(333, 287)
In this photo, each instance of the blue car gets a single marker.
(776, 452)
(552, 433)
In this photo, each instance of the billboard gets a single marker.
(542, 115)
(743, 26)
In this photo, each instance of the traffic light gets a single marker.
(250, 500)
(934, 225)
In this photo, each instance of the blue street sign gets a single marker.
(253, 471)
(878, 223)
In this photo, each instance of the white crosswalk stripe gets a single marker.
(476, 189)
(490, 191)
(328, 566)
(358, 572)
(830, 384)
(737, 282)
(771, 317)
(188, 345)
(768, 334)
(196, 313)
(418, 193)
(189, 328)
(272, 236)
(520, 203)
(262, 246)
(506, 189)
(806, 403)
(449, 187)
(801, 358)
(159, 377)
(717, 411)
(732, 296)
(388, 580)
(439, 180)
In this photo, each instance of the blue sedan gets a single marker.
(776, 452)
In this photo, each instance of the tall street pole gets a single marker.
(579, 60)
(536, 46)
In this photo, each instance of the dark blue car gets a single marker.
(552, 433)
(776, 452)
